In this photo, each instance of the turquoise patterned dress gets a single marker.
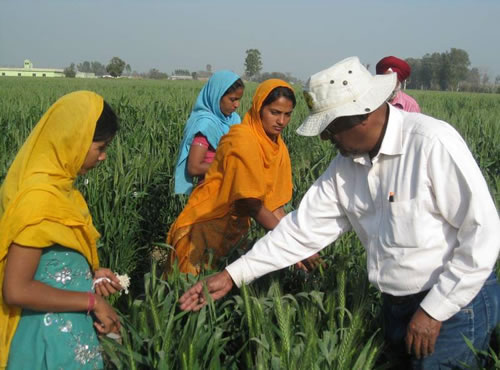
(57, 340)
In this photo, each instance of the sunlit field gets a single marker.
(328, 319)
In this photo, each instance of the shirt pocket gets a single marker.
(400, 225)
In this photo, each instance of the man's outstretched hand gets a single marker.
(217, 285)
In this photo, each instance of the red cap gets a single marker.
(397, 65)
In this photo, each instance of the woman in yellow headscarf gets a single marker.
(48, 243)
(250, 177)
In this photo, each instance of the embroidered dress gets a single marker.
(57, 340)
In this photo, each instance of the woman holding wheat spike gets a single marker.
(48, 254)
(213, 114)
(249, 178)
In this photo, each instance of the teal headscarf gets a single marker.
(207, 119)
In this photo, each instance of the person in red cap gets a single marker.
(398, 98)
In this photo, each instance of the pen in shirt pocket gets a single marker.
(391, 197)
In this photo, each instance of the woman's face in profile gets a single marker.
(95, 155)
(230, 102)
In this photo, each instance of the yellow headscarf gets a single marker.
(247, 164)
(39, 206)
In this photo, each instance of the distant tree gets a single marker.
(70, 71)
(253, 63)
(84, 67)
(182, 72)
(209, 68)
(267, 75)
(128, 69)
(459, 62)
(431, 65)
(473, 77)
(115, 67)
(98, 68)
(497, 80)
(156, 74)
(194, 75)
(414, 81)
(485, 79)
(282, 76)
(292, 79)
(445, 72)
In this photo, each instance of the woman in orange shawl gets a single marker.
(48, 254)
(250, 177)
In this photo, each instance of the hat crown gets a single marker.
(344, 82)
(345, 89)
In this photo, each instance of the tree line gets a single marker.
(115, 68)
(448, 71)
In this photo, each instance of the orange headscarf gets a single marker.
(247, 164)
(39, 206)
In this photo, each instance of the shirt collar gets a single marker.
(392, 144)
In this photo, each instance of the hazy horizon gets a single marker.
(293, 36)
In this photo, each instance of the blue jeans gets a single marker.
(476, 321)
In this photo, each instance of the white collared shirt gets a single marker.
(441, 232)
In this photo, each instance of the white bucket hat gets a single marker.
(345, 89)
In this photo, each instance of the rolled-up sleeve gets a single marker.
(317, 222)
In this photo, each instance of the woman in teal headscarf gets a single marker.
(213, 114)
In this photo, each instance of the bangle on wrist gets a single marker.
(91, 302)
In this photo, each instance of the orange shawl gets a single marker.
(247, 164)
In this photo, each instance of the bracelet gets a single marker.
(91, 302)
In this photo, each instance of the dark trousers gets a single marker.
(476, 321)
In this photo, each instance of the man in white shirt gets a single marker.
(409, 187)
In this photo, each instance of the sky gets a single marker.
(301, 37)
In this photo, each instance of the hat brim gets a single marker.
(381, 90)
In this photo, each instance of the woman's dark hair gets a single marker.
(278, 92)
(107, 124)
(235, 86)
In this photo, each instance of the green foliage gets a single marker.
(182, 72)
(84, 67)
(280, 322)
(253, 63)
(98, 68)
(70, 71)
(115, 67)
(443, 70)
(156, 74)
(289, 319)
(92, 67)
